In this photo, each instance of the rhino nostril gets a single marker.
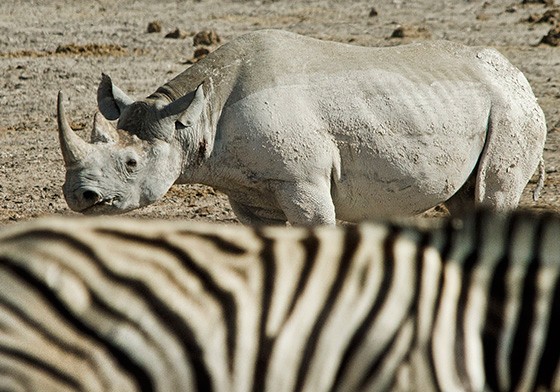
(90, 196)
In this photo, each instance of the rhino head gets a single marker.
(135, 163)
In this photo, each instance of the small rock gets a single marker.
(154, 27)
(176, 34)
(550, 16)
(373, 12)
(545, 2)
(552, 38)
(206, 38)
(200, 53)
(411, 32)
(398, 32)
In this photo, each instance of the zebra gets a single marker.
(117, 304)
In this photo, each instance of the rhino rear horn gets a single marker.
(74, 149)
(111, 100)
(103, 131)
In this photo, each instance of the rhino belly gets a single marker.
(403, 180)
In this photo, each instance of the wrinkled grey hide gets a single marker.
(302, 130)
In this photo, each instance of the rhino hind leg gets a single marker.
(511, 154)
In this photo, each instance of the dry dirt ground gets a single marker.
(46, 46)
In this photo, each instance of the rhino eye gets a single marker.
(131, 164)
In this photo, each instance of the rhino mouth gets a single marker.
(103, 206)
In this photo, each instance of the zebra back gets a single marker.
(116, 304)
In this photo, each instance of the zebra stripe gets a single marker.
(125, 305)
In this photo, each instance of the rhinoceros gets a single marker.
(307, 131)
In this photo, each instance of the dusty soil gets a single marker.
(48, 46)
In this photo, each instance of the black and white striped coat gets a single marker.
(121, 305)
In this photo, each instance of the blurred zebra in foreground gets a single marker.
(120, 305)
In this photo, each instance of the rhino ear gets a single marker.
(111, 100)
(192, 114)
(187, 109)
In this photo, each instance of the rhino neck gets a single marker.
(219, 72)
(196, 170)
(220, 68)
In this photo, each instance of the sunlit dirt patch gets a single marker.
(72, 49)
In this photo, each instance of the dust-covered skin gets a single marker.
(381, 132)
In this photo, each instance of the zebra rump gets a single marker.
(114, 304)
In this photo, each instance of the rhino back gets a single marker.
(267, 58)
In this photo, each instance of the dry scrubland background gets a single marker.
(50, 45)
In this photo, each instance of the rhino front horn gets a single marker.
(74, 149)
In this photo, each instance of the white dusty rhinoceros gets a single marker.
(302, 130)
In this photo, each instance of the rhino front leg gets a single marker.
(306, 204)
